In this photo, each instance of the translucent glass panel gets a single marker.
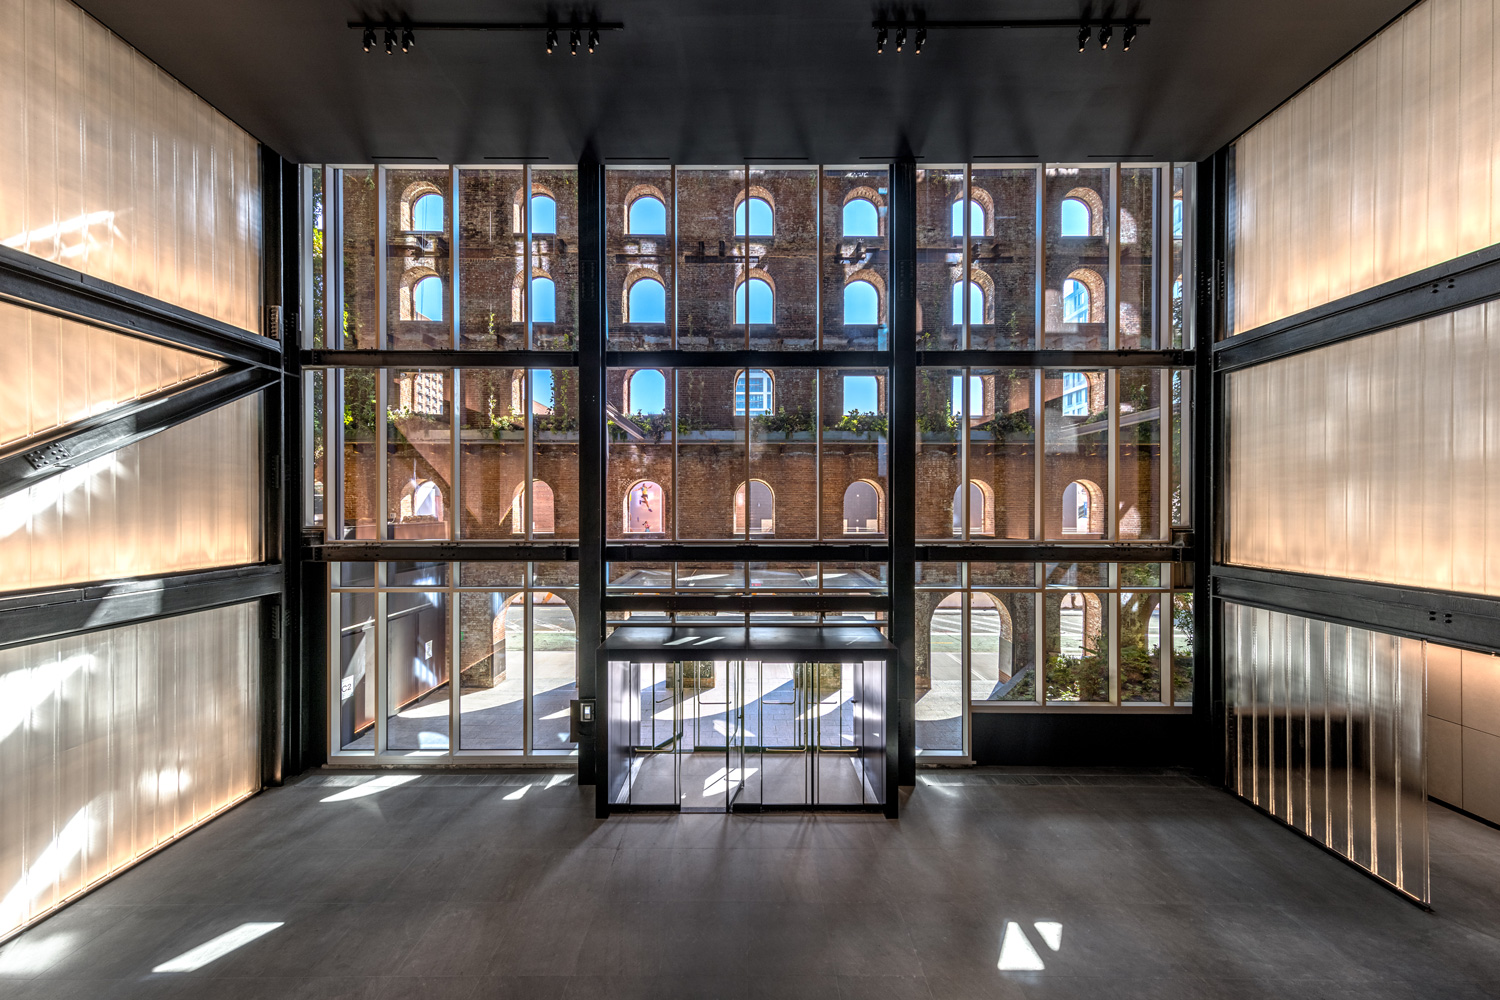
(552, 297)
(1078, 214)
(118, 741)
(1002, 241)
(855, 259)
(1139, 483)
(506, 631)
(1326, 729)
(1076, 460)
(353, 270)
(114, 168)
(354, 408)
(942, 394)
(61, 371)
(640, 227)
(1140, 292)
(943, 297)
(418, 259)
(783, 255)
(493, 453)
(491, 253)
(189, 497)
(419, 453)
(1381, 167)
(713, 274)
(1373, 459)
(757, 454)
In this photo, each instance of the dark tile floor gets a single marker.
(453, 886)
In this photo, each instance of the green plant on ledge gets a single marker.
(782, 422)
(937, 423)
(500, 423)
(855, 422)
(1009, 423)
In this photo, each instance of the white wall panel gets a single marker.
(1383, 166)
(189, 497)
(112, 167)
(113, 743)
(60, 371)
(1374, 459)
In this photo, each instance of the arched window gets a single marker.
(976, 303)
(762, 220)
(543, 301)
(427, 298)
(647, 302)
(861, 218)
(979, 510)
(752, 393)
(991, 657)
(762, 509)
(1076, 218)
(543, 512)
(646, 392)
(861, 304)
(645, 507)
(1076, 509)
(862, 509)
(761, 301)
(647, 217)
(421, 498)
(543, 215)
(427, 214)
(976, 219)
(1075, 301)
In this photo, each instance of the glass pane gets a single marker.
(1002, 647)
(774, 577)
(869, 577)
(1182, 648)
(782, 501)
(417, 688)
(856, 260)
(637, 576)
(317, 460)
(1070, 575)
(554, 484)
(711, 576)
(940, 195)
(1138, 492)
(491, 574)
(640, 409)
(492, 668)
(938, 452)
(358, 286)
(1182, 455)
(554, 574)
(554, 260)
(1002, 574)
(360, 475)
(419, 259)
(353, 574)
(784, 252)
(1076, 462)
(1002, 454)
(855, 455)
(318, 238)
(938, 574)
(554, 668)
(492, 458)
(1140, 647)
(356, 616)
(713, 260)
(1076, 212)
(1180, 302)
(711, 466)
(1002, 259)
(1140, 207)
(419, 436)
(940, 707)
(1077, 646)
(492, 294)
(640, 216)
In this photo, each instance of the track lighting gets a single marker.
(1083, 37)
(880, 41)
(573, 39)
(390, 41)
(369, 39)
(1105, 34)
(593, 39)
(921, 38)
(1129, 37)
(551, 40)
(408, 40)
(900, 38)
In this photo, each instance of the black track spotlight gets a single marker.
(593, 39)
(551, 40)
(880, 37)
(921, 40)
(900, 38)
(369, 39)
(390, 41)
(408, 40)
(1128, 39)
(1105, 34)
(1083, 37)
(573, 40)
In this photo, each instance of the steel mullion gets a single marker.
(529, 645)
(382, 694)
(1039, 294)
(964, 259)
(1165, 411)
(381, 256)
(676, 270)
(453, 265)
(455, 662)
(528, 381)
(1039, 391)
(1112, 293)
(526, 196)
(382, 454)
(1112, 397)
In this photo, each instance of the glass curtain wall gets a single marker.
(439, 659)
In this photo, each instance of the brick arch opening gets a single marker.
(771, 394)
(637, 274)
(753, 274)
(645, 508)
(755, 191)
(1075, 519)
(1095, 204)
(406, 306)
(857, 506)
(543, 509)
(518, 205)
(874, 197)
(987, 291)
(408, 201)
(762, 509)
(873, 279)
(635, 194)
(421, 500)
(982, 520)
(1091, 280)
(986, 202)
(628, 387)
(519, 288)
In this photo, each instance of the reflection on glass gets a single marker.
(940, 707)
(1182, 649)
(1002, 258)
(356, 681)
(316, 456)
(553, 299)
(938, 457)
(1076, 646)
(1138, 490)
(418, 259)
(1139, 289)
(1077, 209)
(1140, 647)
(940, 255)
(358, 287)
(360, 470)
(492, 670)
(856, 261)
(1076, 462)
(554, 668)
(417, 689)
(711, 466)
(491, 237)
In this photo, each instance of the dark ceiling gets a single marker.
(706, 81)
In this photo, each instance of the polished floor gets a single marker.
(1085, 884)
